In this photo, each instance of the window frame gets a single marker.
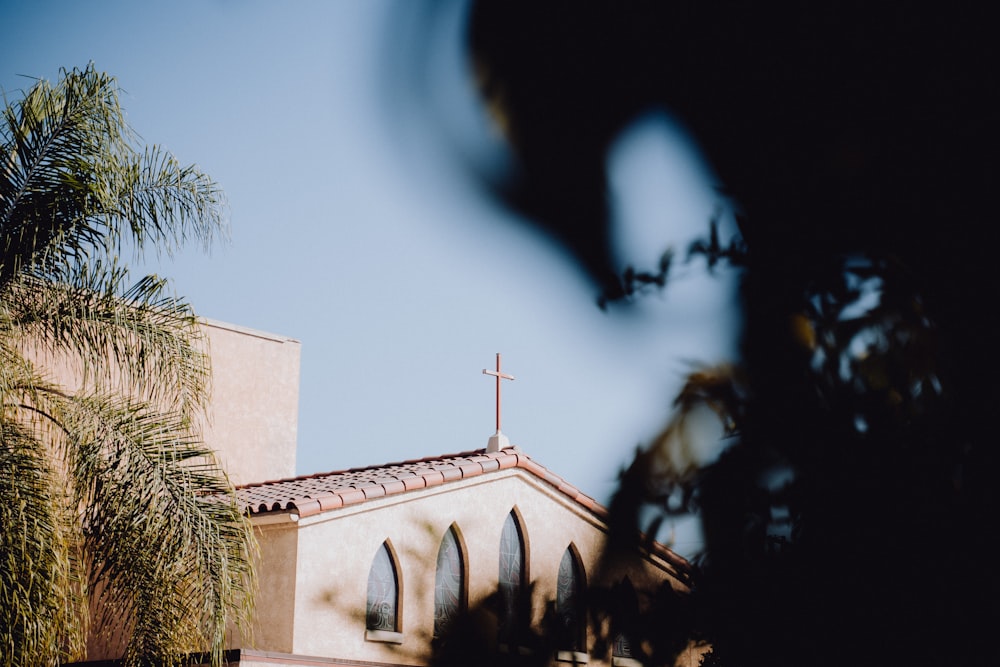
(385, 554)
(510, 626)
(571, 588)
(461, 596)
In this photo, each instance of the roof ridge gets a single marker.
(259, 498)
(426, 459)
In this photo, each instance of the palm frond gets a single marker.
(134, 338)
(165, 205)
(49, 188)
(72, 184)
(167, 545)
(41, 598)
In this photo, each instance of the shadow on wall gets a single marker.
(602, 618)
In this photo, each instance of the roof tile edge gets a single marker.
(477, 462)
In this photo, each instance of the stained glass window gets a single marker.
(569, 602)
(622, 647)
(511, 577)
(383, 592)
(449, 583)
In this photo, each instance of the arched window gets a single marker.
(570, 587)
(449, 583)
(383, 592)
(513, 575)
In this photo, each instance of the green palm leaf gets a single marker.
(143, 480)
(73, 184)
(41, 609)
(138, 338)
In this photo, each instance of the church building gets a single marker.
(391, 565)
(374, 566)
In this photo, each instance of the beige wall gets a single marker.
(276, 570)
(253, 416)
(335, 551)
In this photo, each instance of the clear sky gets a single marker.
(357, 230)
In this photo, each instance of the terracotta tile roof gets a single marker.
(312, 494)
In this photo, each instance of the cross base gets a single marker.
(497, 442)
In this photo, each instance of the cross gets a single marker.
(499, 376)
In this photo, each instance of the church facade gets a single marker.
(380, 565)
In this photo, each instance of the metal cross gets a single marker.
(499, 376)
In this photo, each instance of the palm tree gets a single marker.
(115, 519)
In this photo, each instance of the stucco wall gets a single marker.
(253, 416)
(276, 569)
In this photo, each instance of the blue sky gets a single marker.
(356, 230)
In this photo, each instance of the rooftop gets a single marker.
(312, 494)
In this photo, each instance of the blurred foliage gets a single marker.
(852, 519)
